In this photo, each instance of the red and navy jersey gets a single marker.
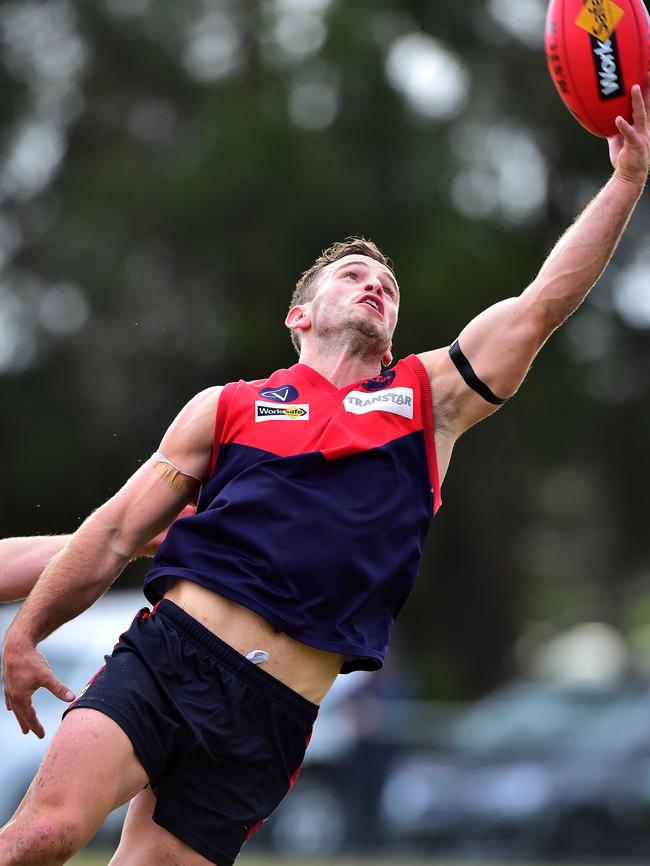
(316, 506)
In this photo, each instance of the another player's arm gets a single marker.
(100, 549)
(502, 342)
(23, 560)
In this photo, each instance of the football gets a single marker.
(596, 50)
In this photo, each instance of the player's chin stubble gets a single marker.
(365, 338)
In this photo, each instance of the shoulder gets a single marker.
(434, 361)
(198, 413)
(188, 440)
(206, 400)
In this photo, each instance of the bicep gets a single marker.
(499, 346)
(149, 501)
(502, 342)
(187, 443)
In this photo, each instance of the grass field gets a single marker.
(98, 859)
(95, 859)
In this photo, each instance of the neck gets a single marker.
(340, 368)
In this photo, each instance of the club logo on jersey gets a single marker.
(380, 382)
(280, 394)
(397, 401)
(273, 412)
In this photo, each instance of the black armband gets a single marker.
(465, 369)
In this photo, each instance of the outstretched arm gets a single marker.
(99, 550)
(501, 343)
(23, 560)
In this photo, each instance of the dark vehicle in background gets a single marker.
(357, 738)
(534, 769)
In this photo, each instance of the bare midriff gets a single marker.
(305, 669)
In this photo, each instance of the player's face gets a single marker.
(357, 294)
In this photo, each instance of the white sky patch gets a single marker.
(214, 44)
(63, 309)
(294, 30)
(313, 105)
(41, 46)
(299, 35)
(523, 173)
(8, 328)
(523, 19)
(34, 156)
(317, 7)
(631, 292)
(474, 192)
(502, 170)
(431, 78)
(29, 306)
(589, 335)
(40, 40)
(17, 343)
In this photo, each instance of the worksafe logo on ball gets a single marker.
(280, 394)
(608, 68)
(600, 18)
(272, 412)
(397, 401)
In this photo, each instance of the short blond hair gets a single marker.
(304, 290)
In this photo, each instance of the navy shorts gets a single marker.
(221, 740)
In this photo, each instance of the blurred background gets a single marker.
(167, 171)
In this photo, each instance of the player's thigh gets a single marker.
(89, 769)
(144, 842)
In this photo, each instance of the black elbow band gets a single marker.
(465, 369)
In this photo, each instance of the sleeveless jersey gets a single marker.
(316, 506)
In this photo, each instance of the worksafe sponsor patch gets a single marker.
(274, 412)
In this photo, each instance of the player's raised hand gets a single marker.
(25, 669)
(629, 151)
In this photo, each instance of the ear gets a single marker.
(298, 318)
(387, 357)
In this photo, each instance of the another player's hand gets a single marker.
(24, 670)
(629, 151)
